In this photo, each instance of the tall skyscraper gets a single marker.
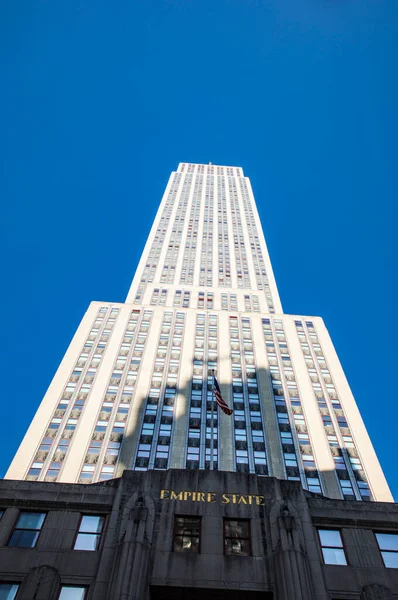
(134, 389)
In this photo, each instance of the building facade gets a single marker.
(134, 389)
(193, 534)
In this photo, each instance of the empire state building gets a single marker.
(134, 389)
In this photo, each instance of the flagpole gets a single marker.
(212, 425)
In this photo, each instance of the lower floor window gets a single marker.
(186, 534)
(237, 537)
(8, 591)
(388, 546)
(72, 592)
(332, 547)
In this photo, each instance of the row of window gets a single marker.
(149, 271)
(9, 591)
(248, 303)
(202, 423)
(173, 248)
(333, 551)
(257, 255)
(211, 169)
(187, 533)
(186, 537)
(250, 450)
(56, 441)
(296, 446)
(348, 468)
(224, 261)
(242, 267)
(189, 257)
(206, 255)
(104, 448)
(29, 525)
(153, 450)
(237, 540)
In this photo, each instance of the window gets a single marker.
(388, 546)
(186, 534)
(72, 592)
(8, 591)
(237, 537)
(27, 530)
(89, 534)
(332, 547)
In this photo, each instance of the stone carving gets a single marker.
(376, 592)
(129, 579)
(41, 583)
(292, 573)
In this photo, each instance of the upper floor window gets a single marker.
(388, 546)
(72, 592)
(186, 534)
(237, 537)
(332, 547)
(27, 529)
(89, 534)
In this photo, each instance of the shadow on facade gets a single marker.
(267, 434)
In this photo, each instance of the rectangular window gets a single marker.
(332, 547)
(72, 592)
(237, 537)
(388, 546)
(27, 530)
(89, 534)
(8, 591)
(186, 534)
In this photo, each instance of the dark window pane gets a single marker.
(187, 525)
(23, 538)
(30, 520)
(8, 591)
(238, 547)
(237, 537)
(236, 529)
(186, 534)
(184, 543)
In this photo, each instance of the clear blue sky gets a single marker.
(100, 100)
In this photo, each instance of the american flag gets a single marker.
(219, 399)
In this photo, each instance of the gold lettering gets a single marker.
(226, 498)
(174, 496)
